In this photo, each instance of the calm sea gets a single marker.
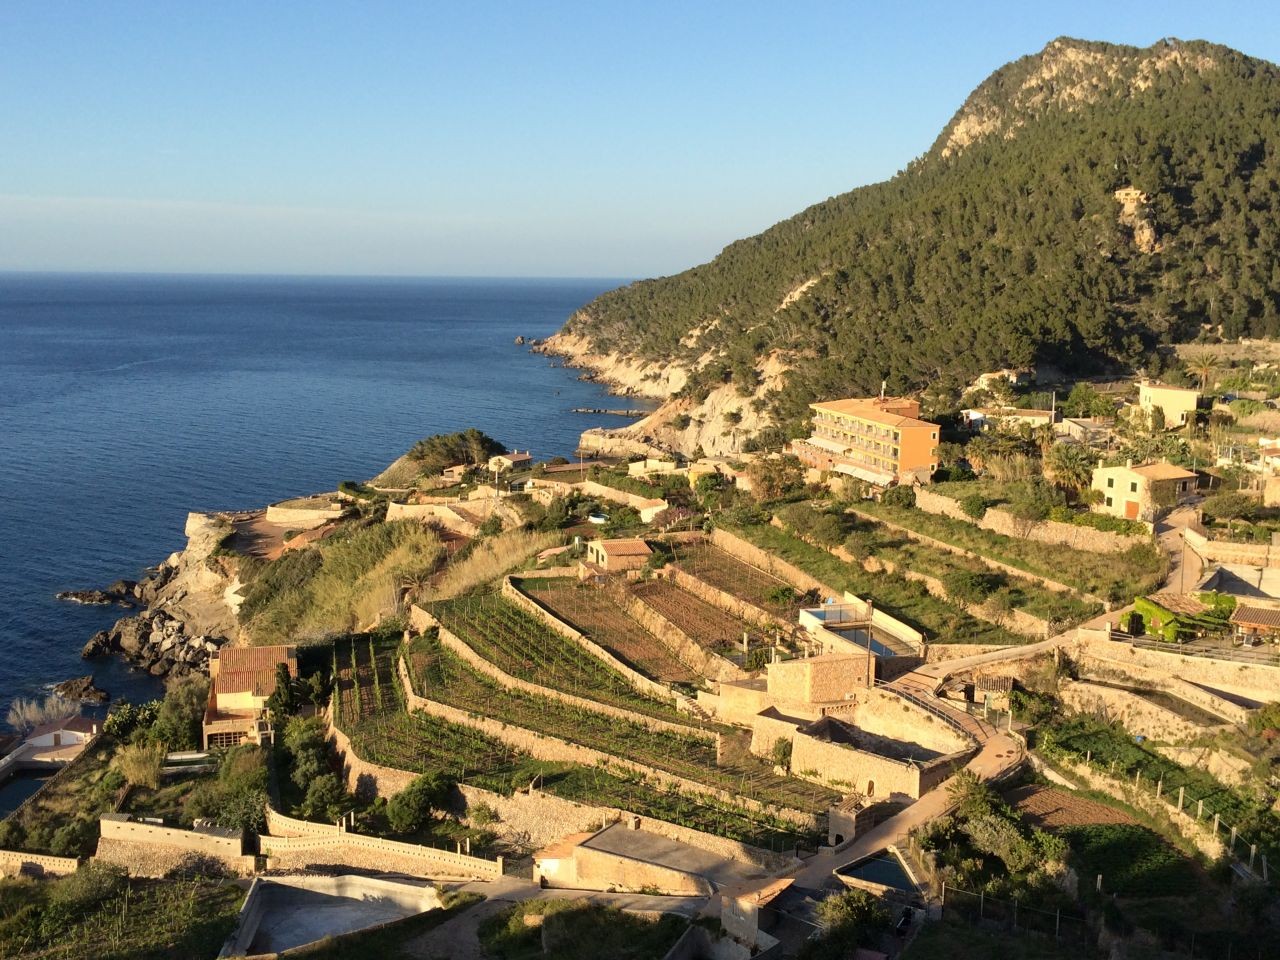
(126, 401)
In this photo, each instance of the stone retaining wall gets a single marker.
(634, 677)
(1258, 681)
(1132, 711)
(353, 851)
(1094, 667)
(546, 747)
(149, 850)
(681, 646)
(1227, 551)
(998, 520)
(422, 619)
(15, 862)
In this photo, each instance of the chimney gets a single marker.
(1129, 463)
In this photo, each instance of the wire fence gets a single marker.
(1014, 915)
(1190, 813)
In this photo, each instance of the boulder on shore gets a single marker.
(81, 689)
(97, 645)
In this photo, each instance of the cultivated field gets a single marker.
(708, 625)
(593, 612)
(525, 647)
(365, 678)
(1052, 809)
(441, 676)
(713, 566)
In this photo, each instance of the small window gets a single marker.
(1133, 486)
(1108, 501)
(934, 435)
(1111, 482)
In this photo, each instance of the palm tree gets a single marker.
(1071, 467)
(1203, 368)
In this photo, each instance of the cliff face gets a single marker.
(1084, 205)
(190, 607)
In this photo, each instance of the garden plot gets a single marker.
(365, 682)
(726, 573)
(440, 675)
(1052, 809)
(709, 626)
(593, 612)
(523, 646)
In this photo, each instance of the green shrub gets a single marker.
(975, 505)
(899, 496)
(411, 808)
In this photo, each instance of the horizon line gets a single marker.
(251, 275)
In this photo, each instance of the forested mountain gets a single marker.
(1005, 244)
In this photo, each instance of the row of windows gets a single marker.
(1111, 482)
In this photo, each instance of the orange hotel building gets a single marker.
(878, 439)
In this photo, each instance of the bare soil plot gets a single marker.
(1053, 809)
(713, 566)
(593, 612)
(708, 625)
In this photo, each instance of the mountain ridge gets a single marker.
(1083, 205)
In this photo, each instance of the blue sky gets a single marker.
(558, 139)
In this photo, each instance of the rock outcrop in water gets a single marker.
(188, 611)
(122, 593)
(81, 690)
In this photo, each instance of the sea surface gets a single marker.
(127, 401)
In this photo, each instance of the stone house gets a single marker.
(515, 460)
(618, 556)
(241, 680)
(1141, 493)
(1177, 404)
(1256, 623)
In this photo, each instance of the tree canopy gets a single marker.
(1008, 249)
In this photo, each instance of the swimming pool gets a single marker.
(883, 868)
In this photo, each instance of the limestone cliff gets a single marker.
(190, 607)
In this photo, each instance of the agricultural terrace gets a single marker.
(422, 743)
(527, 648)
(709, 626)
(1109, 747)
(1133, 860)
(365, 685)
(730, 575)
(942, 622)
(1120, 576)
(439, 675)
(866, 538)
(595, 613)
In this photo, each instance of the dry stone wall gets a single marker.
(353, 851)
(148, 850)
(638, 680)
(1258, 681)
(422, 618)
(15, 862)
(1000, 521)
(1225, 551)
(1132, 711)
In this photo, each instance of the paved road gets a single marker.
(457, 938)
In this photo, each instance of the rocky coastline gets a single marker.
(186, 608)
